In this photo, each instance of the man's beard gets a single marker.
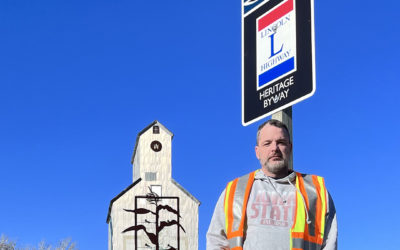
(276, 167)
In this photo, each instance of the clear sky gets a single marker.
(80, 79)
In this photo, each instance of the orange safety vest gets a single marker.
(303, 236)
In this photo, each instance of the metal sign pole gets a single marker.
(285, 116)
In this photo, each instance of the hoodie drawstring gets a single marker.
(270, 182)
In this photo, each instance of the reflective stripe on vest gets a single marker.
(235, 204)
(309, 236)
(303, 236)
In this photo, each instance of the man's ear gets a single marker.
(257, 153)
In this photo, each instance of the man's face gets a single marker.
(273, 150)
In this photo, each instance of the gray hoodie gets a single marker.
(270, 214)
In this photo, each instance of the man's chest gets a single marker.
(268, 208)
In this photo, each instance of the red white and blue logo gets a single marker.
(276, 43)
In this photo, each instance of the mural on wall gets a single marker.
(153, 229)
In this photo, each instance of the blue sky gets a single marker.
(80, 79)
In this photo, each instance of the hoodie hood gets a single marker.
(285, 180)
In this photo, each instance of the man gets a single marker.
(274, 208)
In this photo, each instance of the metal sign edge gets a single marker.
(242, 54)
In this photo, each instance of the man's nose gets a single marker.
(275, 147)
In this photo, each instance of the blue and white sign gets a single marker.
(276, 44)
(278, 66)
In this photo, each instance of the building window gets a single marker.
(156, 129)
(150, 176)
(156, 189)
(156, 146)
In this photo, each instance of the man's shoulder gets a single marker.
(246, 176)
(307, 175)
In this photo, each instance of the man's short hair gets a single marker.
(274, 123)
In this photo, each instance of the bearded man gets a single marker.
(274, 208)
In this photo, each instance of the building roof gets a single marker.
(144, 130)
(185, 191)
(119, 195)
(138, 180)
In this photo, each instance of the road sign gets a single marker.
(278, 65)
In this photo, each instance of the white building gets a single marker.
(154, 198)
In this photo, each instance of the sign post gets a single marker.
(278, 65)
